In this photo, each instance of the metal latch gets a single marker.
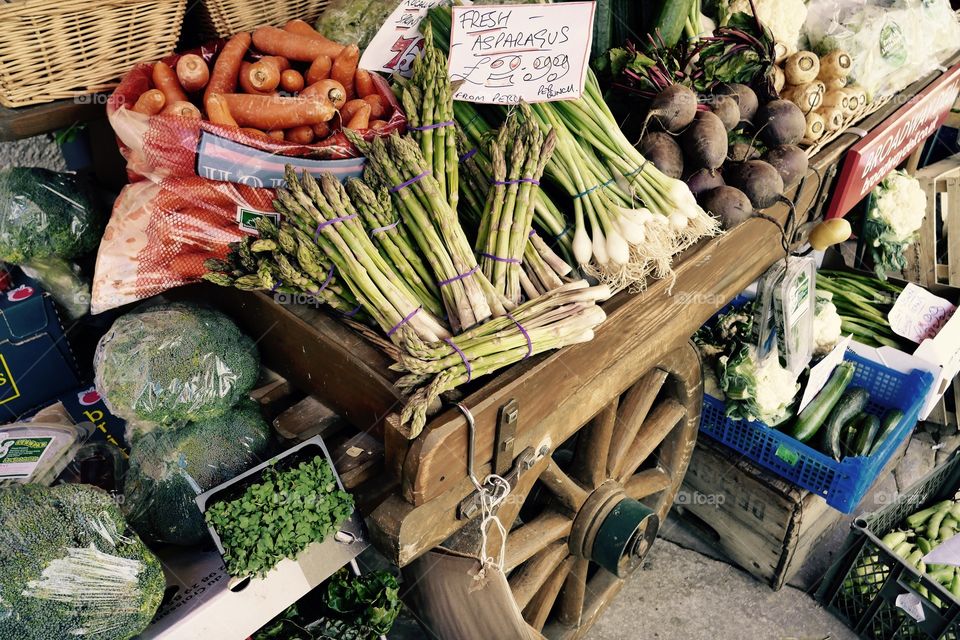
(470, 506)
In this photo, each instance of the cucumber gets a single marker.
(814, 414)
(670, 21)
(888, 423)
(868, 425)
(848, 437)
(853, 402)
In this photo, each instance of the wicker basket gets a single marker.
(55, 49)
(232, 16)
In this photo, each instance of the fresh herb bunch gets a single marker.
(279, 517)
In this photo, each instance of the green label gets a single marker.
(789, 456)
(893, 46)
(19, 456)
(247, 218)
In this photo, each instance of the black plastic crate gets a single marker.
(862, 586)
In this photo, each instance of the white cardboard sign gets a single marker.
(399, 41)
(918, 314)
(502, 54)
(820, 373)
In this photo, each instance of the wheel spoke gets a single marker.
(539, 608)
(590, 463)
(527, 580)
(646, 483)
(535, 536)
(562, 486)
(655, 429)
(633, 411)
(571, 597)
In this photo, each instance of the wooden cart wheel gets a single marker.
(588, 519)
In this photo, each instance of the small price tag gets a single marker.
(820, 372)
(918, 314)
(399, 41)
(532, 52)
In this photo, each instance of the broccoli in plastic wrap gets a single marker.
(70, 568)
(349, 21)
(173, 363)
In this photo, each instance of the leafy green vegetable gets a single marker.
(176, 362)
(70, 568)
(349, 21)
(279, 517)
(169, 468)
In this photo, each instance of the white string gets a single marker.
(490, 500)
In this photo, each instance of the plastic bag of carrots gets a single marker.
(223, 111)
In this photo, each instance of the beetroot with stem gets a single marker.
(741, 152)
(780, 122)
(673, 108)
(729, 204)
(726, 109)
(705, 141)
(663, 151)
(744, 96)
(704, 180)
(790, 162)
(760, 182)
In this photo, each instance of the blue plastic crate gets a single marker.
(843, 483)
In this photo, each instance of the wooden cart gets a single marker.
(575, 431)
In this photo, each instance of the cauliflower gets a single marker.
(784, 18)
(896, 214)
(758, 390)
(826, 324)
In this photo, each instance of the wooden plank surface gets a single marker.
(34, 120)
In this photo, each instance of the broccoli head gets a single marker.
(169, 468)
(70, 568)
(173, 363)
(45, 214)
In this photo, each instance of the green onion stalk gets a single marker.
(519, 152)
(325, 210)
(863, 304)
(396, 164)
(564, 316)
(606, 177)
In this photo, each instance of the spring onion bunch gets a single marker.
(862, 303)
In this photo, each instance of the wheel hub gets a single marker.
(614, 530)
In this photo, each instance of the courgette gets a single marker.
(888, 423)
(853, 402)
(848, 437)
(868, 425)
(814, 414)
(670, 21)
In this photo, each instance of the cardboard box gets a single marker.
(36, 363)
(84, 404)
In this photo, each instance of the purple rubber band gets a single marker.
(459, 277)
(327, 223)
(325, 282)
(353, 311)
(377, 230)
(463, 357)
(499, 259)
(518, 181)
(405, 320)
(448, 123)
(525, 335)
(410, 181)
(276, 286)
(532, 233)
(469, 154)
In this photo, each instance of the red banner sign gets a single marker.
(887, 146)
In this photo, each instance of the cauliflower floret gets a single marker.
(784, 18)
(776, 388)
(826, 324)
(901, 203)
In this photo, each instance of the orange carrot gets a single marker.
(376, 125)
(361, 119)
(329, 90)
(350, 109)
(377, 108)
(275, 135)
(218, 112)
(264, 74)
(226, 69)
(301, 28)
(166, 80)
(319, 69)
(181, 108)
(150, 102)
(295, 47)
(246, 71)
(291, 81)
(321, 131)
(256, 133)
(270, 113)
(188, 265)
(344, 66)
(301, 135)
(364, 83)
(193, 72)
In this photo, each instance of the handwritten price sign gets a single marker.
(532, 52)
(918, 314)
(399, 40)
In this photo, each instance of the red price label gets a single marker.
(407, 49)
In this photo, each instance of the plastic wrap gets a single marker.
(160, 234)
(347, 21)
(168, 469)
(891, 44)
(171, 363)
(70, 568)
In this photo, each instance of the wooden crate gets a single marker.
(940, 234)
